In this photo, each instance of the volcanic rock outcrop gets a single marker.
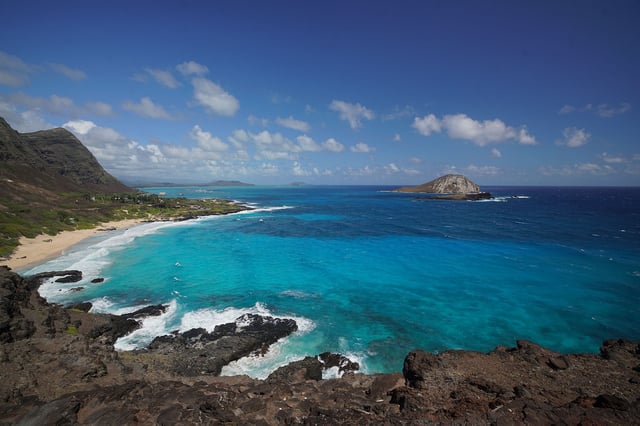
(53, 372)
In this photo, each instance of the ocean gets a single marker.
(373, 274)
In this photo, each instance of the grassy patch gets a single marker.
(71, 211)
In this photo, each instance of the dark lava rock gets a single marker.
(97, 280)
(73, 278)
(82, 306)
(612, 401)
(198, 352)
(70, 276)
(121, 325)
(417, 367)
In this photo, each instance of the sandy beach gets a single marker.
(43, 247)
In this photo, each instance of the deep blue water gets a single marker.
(375, 274)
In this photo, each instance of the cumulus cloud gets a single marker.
(192, 68)
(23, 121)
(397, 138)
(427, 125)
(73, 74)
(353, 113)
(496, 153)
(165, 78)
(307, 144)
(207, 141)
(297, 170)
(460, 126)
(214, 98)
(362, 148)
(14, 72)
(574, 137)
(147, 108)
(333, 145)
(482, 133)
(292, 123)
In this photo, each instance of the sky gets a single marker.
(333, 92)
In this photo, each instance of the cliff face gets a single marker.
(447, 184)
(52, 160)
(59, 367)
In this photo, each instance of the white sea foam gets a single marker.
(152, 326)
(279, 354)
(256, 366)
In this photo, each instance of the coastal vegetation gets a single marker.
(72, 211)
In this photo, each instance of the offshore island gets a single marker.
(59, 365)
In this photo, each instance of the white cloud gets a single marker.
(257, 121)
(525, 138)
(397, 138)
(496, 153)
(567, 109)
(574, 137)
(147, 108)
(192, 68)
(14, 72)
(307, 144)
(292, 123)
(607, 111)
(473, 170)
(81, 127)
(207, 141)
(460, 126)
(164, 78)
(353, 113)
(398, 113)
(393, 168)
(578, 170)
(333, 145)
(297, 170)
(214, 98)
(362, 148)
(99, 108)
(613, 160)
(427, 125)
(25, 121)
(602, 110)
(73, 74)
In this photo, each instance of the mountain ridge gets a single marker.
(54, 160)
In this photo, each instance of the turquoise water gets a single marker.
(374, 274)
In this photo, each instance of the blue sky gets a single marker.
(333, 92)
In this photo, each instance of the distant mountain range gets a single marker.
(177, 185)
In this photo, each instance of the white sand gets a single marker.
(44, 247)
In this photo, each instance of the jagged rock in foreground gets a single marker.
(53, 373)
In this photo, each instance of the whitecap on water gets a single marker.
(152, 326)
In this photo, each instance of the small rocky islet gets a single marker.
(448, 187)
(58, 366)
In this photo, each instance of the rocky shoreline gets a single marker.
(58, 366)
